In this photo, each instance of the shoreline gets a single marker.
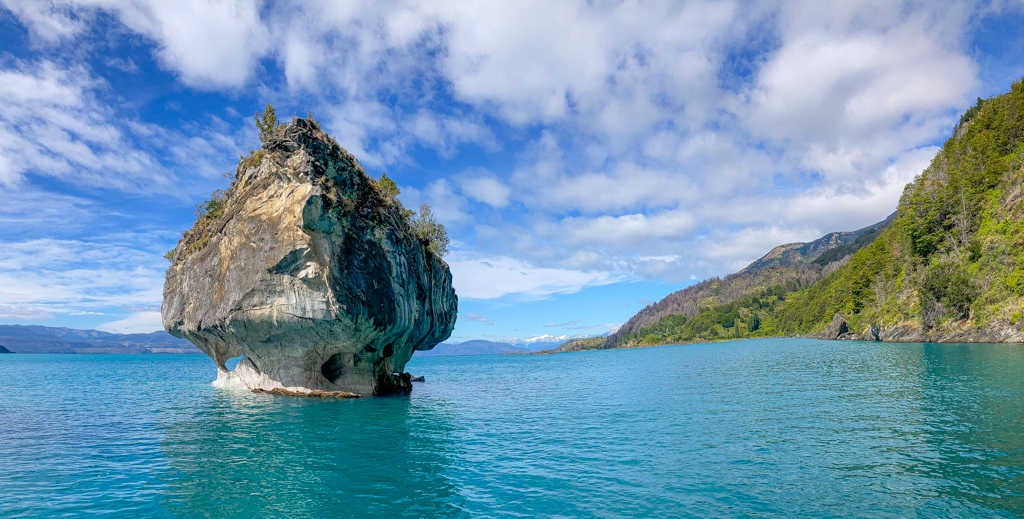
(901, 334)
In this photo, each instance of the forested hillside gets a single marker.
(692, 313)
(950, 267)
(951, 263)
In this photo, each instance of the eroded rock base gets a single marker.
(313, 393)
(247, 376)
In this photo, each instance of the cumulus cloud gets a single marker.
(448, 207)
(485, 188)
(493, 277)
(139, 322)
(627, 231)
(655, 139)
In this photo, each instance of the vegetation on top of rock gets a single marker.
(305, 268)
(209, 212)
(430, 231)
(211, 208)
(388, 187)
(267, 123)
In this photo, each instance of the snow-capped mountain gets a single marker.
(545, 339)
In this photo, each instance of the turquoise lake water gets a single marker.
(767, 428)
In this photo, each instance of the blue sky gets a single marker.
(587, 158)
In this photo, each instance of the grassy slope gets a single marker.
(953, 257)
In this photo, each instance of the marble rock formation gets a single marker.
(310, 273)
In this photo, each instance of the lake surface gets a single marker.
(767, 428)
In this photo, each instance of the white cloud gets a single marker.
(485, 188)
(126, 65)
(66, 276)
(653, 152)
(490, 278)
(139, 322)
(577, 55)
(627, 231)
(23, 313)
(34, 211)
(449, 208)
(856, 86)
(210, 44)
(48, 21)
(52, 125)
(476, 317)
(822, 88)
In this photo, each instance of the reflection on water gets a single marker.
(250, 455)
(780, 428)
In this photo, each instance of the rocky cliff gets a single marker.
(310, 272)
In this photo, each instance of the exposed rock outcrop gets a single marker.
(835, 330)
(994, 334)
(310, 273)
(965, 333)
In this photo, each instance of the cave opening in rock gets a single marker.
(333, 368)
(232, 363)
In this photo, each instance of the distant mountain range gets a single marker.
(546, 340)
(475, 347)
(514, 345)
(45, 339)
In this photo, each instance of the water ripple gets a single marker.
(770, 428)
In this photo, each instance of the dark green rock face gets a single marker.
(311, 274)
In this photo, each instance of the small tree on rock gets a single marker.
(267, 123)
(430, 231)
(388, 187)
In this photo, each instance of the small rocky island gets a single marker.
(311, 271)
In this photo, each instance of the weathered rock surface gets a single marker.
(311, 274)
(315, 393)
(966, 333)
(835, 330)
